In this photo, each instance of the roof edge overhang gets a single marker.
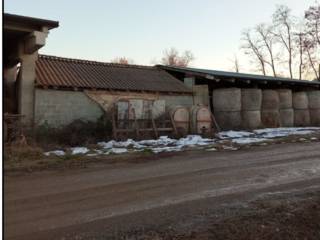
(212, 74)
(81, 89)
(38, 22)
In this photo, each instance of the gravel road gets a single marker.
(109, 198)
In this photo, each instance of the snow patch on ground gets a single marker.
(166, 144)
(56, 152)
(79, 150)
(234, 134)
(284, 132)
(248, 140)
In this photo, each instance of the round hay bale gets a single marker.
(286, 117)
(251, 119)
(315, 117)
(226, 99)
(300, 100)
(270, 100)
(285, 98)
(314, 99)
(270, 118)
(251, 99)
(228, 120)
(302, 118)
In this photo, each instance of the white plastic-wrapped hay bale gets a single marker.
(314, 107)
(228, 120)
(285, 108)
(251, 99)
(251, 119)
(314, 99)
(270, 118)
(226, 99)
(200, 120)
(181, 118)
(300, 100)
(270, 100)
(286, 117)
(314, 117)
(285, 98)
(302, 118)
(301, 109)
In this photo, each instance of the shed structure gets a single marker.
(204, 81)
(70, 89)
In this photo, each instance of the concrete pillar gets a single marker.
(26, 87)
(9, 90)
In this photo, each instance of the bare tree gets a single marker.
(312, 17)
(310, 49)
(171, 57)
(286, 41)
(300, 38)
(253, 48)
(268, 40)
(283, 22)
(236, 65)
(122, 60)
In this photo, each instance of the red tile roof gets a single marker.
(60, 72)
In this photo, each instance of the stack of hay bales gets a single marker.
(314, 107)
(301, 109)
(251, 100)
(285, 108)
(227, 107)
(270, 115)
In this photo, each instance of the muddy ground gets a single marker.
(262, 192)
(279, 216)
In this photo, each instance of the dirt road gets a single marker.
(110, 198)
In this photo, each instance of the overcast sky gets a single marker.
(141, 29)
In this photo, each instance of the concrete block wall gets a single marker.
(58, 107)
(177, 100)
(201, 94)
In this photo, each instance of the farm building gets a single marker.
(57, 91)
(246, 101)
(69, 89)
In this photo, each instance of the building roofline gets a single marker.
(244, 76)
(8, 17)
(63, 73)
(92, 62)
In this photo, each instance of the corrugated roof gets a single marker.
(61, 72)
(238, 76)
